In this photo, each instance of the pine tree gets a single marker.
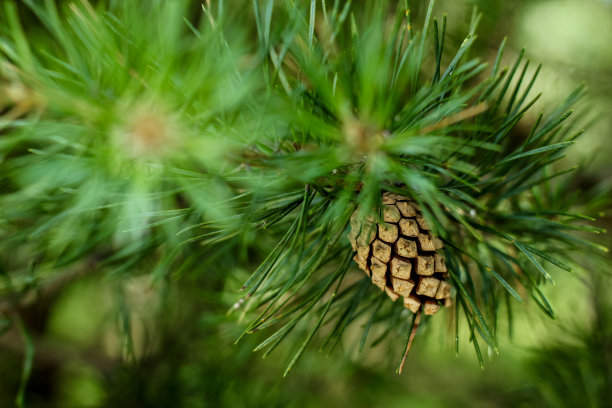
(143, 142)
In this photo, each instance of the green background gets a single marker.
(181, 351)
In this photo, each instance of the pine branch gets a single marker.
(368, 123)
(159, 140)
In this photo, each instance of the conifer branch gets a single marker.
(152, 141)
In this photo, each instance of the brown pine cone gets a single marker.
(400, 255)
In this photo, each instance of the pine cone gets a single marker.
(400, 256)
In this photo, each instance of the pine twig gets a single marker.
(415, 326)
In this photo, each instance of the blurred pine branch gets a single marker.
(139, 139)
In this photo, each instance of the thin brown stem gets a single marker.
(457, 117)
(415, 326)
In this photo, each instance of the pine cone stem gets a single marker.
(415, 326)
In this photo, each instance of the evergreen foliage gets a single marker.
(142, 141)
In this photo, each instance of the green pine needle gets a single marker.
(141, 137)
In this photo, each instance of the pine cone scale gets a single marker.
(401, 255)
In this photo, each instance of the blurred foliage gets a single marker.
(103, 338)
(199, 366)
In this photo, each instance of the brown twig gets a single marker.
(415, 326)
(457, 117)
